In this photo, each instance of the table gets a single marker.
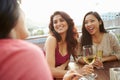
(103, 74)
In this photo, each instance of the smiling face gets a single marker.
(60, 24)
(92, 24)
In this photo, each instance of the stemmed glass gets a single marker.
(99, 56)
(89, 57)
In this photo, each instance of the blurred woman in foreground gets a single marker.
(19, 60)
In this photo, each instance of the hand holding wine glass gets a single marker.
(99, 56)
(89, 57)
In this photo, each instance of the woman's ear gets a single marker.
(20, 28)
(100, 22)
(12, 34)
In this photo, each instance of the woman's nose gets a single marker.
(89, 24)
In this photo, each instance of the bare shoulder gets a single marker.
(51, 37)
(51, 40)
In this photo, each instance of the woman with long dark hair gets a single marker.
(61, 43)
(19, 60)
(94, 33)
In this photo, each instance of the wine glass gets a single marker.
(89, 57)
(99, 56)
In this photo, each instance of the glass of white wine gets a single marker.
(89, 57)
(99, 56)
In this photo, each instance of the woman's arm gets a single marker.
(50, 45)
(63, 66)
(72, 75)
(109, 58)
(115, 46)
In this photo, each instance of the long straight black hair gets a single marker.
(86, 38)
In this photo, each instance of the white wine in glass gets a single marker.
(89, 57)
(99, 55)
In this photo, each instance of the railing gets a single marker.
(40, 40)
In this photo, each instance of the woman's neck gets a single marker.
(97, 38)
(63, 36)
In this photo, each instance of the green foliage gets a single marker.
(39, 32)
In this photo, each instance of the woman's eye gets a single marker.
(92, 20)
(54, 22)
(62, 20)
(86, 22)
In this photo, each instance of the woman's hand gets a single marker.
(72, 75)
(98, 64)
(86, 69)
(80, 60)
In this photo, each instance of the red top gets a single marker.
(59, 59)
(20, 60)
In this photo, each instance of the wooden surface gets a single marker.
(103, 74)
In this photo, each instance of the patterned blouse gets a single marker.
(109, 45)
